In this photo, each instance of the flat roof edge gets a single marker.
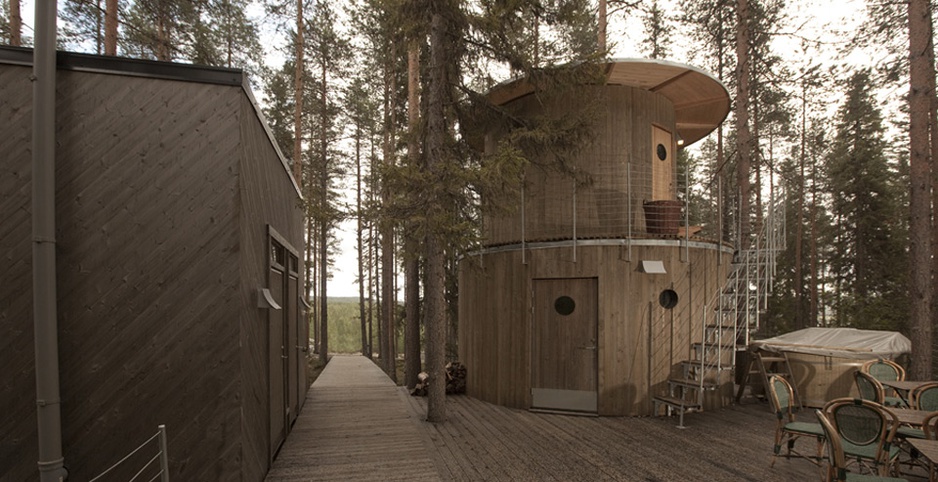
(128, 66)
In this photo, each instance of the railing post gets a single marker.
(164, 455)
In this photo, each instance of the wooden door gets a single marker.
(276, 359)
(296, 356)
(662, 165)
(565, 351)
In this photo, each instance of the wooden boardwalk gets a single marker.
(357, 425)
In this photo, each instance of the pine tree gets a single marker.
(327, 54)
(15, 24)
(923, 124)
(362, 108)
(657, 42)
(5, 31)
(84, 20)
(712, 31)
(868, 259)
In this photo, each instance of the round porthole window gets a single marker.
(668, 299)
(564, 305)
(662, 152)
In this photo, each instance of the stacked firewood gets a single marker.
(455, 380)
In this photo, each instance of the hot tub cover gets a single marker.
(839, 342)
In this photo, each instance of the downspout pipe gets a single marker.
(45, 311)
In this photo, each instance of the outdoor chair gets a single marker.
(787, 428)
(884, 370)
(866, 430)
(870, 389)
(930, 426)
(925, 397)
(836, 458)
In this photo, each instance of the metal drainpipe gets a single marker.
(48, 414)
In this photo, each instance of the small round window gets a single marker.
(662, 152)
(668, 299)
(564, 305)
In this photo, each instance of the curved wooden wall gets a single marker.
(640, 345)
(616, 172)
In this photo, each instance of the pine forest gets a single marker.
(377, 106)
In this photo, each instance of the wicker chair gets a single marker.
(925, 397)
(866, 430)
(788, 429)
(870, 389)
(884, 370)
(837, 460)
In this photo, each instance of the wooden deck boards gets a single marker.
(358, 426)
(354, 426)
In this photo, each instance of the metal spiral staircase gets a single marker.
(729, 320)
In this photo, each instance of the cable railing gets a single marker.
(149, 469)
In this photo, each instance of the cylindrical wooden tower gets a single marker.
(590, 295)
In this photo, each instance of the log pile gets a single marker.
(455, 380)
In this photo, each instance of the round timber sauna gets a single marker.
(590, 294)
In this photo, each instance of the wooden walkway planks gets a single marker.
(354, 426)
(357, 425)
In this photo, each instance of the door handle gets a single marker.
(586, 347)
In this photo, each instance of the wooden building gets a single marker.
(588, 296)
(179, 235)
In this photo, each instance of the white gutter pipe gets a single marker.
(45, 312)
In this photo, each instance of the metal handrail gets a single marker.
(759, 263)
(161, 454)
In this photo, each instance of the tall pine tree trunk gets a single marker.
(799, 216)
(298, 96)
(16, 24)
(323, 195)
(110, 28)
(435, 296)
(359, 234)
(743, 141)
(933, 136)
(601, 30)
(386, 319)
(310, 266)
(919, 195)
(411, 258)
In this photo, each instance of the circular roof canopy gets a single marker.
(701, 102)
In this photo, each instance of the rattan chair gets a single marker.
(787, 428)
(870, 389)
(884, 370)
(837, 460)
(925, 397)
(866, 430)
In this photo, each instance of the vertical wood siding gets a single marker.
(641, 344)
(602, 203)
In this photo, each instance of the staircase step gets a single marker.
(725, 345)
(696, 364)
(678, 403)
(691, 383)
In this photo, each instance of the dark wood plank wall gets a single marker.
(17, 382)
(152, 303)
(266, 197)
(641, 343)
(148, 270)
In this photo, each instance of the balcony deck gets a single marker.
(357, 425)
